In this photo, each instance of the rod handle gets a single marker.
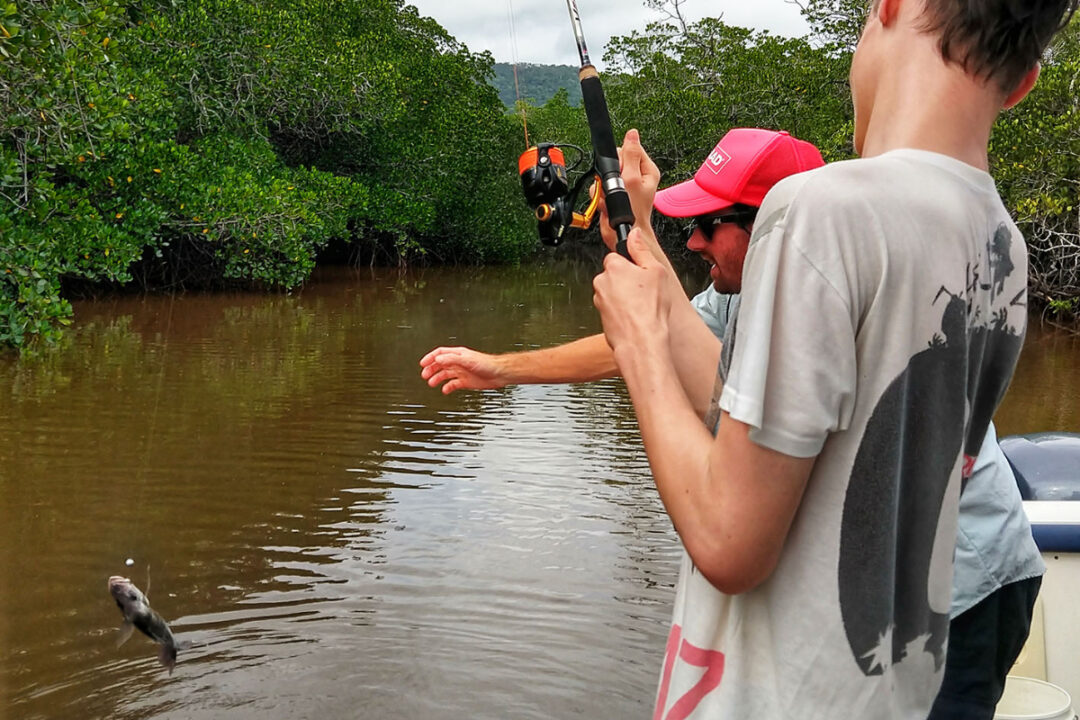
(606, 157)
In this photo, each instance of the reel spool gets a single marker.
(545, 182)
(543, 174)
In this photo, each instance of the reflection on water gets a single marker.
(334, 538)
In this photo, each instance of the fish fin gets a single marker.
(184, 645)
(146, 593)
(124, 633)
(167, 656)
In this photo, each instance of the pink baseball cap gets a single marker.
(740, 170)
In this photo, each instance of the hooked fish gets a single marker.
(138, 614)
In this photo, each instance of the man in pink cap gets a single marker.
(882, 312)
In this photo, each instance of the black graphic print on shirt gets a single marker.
(940, 405)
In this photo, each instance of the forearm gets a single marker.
(695, 354)
(676, 442)
(583, 360)
(731, 502)
(695, 351)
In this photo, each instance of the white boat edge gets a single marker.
(1053, 512)
(1052, 652)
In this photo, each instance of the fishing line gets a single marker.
(140, 475)
(514, 64)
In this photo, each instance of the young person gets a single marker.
(994, 544)
(883, 309)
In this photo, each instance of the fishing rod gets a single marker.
(544, 176)
(605, 156)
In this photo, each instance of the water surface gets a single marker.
(333, 537)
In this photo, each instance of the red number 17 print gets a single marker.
(711, 660)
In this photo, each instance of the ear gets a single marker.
(887, 11)
(1023, 88)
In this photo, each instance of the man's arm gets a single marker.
(461, 368)
(695, 352)
(731, 500)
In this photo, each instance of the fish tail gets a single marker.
(167, 655)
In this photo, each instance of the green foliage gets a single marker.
(225, 141)
(1064, 307)
(59, 96)
(537, 83)
(559, 121)
(1035, 158)
(368, 90)
(835, 24)
(687, 87)
(165, 143)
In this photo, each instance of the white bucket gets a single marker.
(1031, 699)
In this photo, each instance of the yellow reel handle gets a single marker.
(585, 220)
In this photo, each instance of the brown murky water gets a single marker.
(1045, 392)
(333, 537)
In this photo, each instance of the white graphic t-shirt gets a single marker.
(994, 545)
(882, 315)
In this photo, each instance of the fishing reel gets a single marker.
(545, 181)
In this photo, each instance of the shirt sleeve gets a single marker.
(791, 372)
(714, 308)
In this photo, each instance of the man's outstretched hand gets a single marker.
(461, 368)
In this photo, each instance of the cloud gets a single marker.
(543, 32)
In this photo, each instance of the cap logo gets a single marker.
(718, 158)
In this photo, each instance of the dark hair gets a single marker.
(1000, 40)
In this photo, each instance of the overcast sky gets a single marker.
(544, 33)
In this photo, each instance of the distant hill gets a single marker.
(537, 82)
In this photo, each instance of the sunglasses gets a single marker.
(708, 223)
